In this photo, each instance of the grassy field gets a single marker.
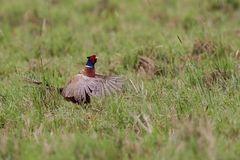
(188, 100)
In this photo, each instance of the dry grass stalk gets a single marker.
(143, 121)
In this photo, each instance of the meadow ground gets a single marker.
(188, 100)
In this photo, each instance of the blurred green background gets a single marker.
(188, 103)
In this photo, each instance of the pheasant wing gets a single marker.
(104, 85)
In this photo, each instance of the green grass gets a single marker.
(189, 110)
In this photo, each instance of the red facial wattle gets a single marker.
(93, 59)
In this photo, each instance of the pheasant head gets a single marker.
(89, 69)
(91, 60)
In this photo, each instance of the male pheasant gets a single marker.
(87, 83)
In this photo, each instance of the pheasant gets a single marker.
(87, 83)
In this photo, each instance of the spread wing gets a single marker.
(81, 87)
(104, 85)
